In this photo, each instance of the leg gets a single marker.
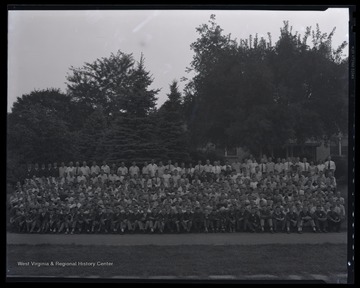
(270, 222)
(262, 224)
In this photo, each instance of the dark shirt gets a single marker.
(254, 218)
(55, 172)
(332, 215)
(303, 214)
(279, 215)
(292, 216)
(187, 216)
(320, 214)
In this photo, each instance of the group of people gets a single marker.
(248, 196)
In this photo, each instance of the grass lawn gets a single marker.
(197, 260)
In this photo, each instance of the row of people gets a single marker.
(248, 165)
(174, 219)
(175, 179)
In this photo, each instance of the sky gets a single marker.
(43, 45)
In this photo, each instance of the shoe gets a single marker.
(288, 232)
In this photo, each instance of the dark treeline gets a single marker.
(249, 92)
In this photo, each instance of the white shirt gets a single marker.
(236, 166)
(103, 177)
(62, 171)
(279, 167)
(176, 178)
(190, 170)
(166, 178)
(122, 171)
(288, 165)
(208, 168)
(152, 168)
(113, 177)
(95, 169)
(77, 169)
(106, 169)
(253, 165)
(199, 168)
(183, 171)
(70, 169)
(332, 165)
(304, 166)
(263, 167)
(161, 170)
(145, 170)
(134, 170)
(170, 167)
(216, 169)
(177, 168)
(81, 178)
(85, 170)
(270, 166)
(321, 167)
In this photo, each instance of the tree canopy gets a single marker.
(253, 94)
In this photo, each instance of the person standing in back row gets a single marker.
(330, 166)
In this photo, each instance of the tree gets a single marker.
(140, 99)
(114, 83)
(132, 138)
(173, 137)
(310, 82)
(39, 128)
(132, 134)
(253, 94)
(92, 136)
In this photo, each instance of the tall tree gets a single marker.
(132, 134)
(173, 136)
